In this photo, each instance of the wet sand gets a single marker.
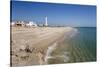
(29, 44)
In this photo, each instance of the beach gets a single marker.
(29, 45)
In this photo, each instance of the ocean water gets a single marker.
(79, 46)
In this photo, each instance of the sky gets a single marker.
(57, 14)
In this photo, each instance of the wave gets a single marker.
(65, 55)
(49, 51)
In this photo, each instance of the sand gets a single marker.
(29, 44)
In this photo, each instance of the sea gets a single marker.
(79, 46)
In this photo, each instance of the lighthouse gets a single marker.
(46, 22)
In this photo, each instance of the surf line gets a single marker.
(49, 51)
(51, 48)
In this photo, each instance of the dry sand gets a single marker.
(29, 45)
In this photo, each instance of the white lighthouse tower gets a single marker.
(46, 22)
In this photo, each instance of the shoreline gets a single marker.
(52, 47)
(33, 52)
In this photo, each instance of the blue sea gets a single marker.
(81, 47)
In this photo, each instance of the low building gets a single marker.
(13, 23)
(20, 23)
(31, 24)
(40, 25)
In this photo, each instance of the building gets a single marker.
(31, 24)
(40, 25)
(20, 23)
(13, 23)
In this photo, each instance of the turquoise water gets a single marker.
(81, 47)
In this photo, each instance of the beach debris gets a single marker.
(28, 49)
(24, 57)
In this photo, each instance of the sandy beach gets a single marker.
(29, 44)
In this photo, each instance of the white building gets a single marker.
(13, 23)
(31, 24)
